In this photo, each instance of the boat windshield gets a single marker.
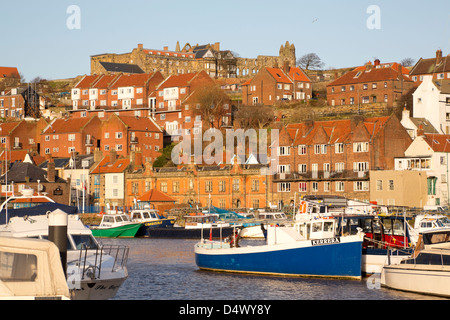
(84, 241)
(121, 218)
(444, 220)
(153, 214)
(436, 237)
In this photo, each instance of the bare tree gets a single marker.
(253, 117)
(210, 104)
(407, 62)
(310, 61)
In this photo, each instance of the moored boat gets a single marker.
(94, 271)
(149, 218)
(196, 225)
(309, 248)
(31, 269)
(427, 271)
(115, 225)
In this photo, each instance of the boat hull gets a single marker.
(189, 233)
(425, 279)
(373, 260)
(340, 259)
(97, 289)
(125, 231)
(146, 226)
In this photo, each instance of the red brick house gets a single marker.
(125, 134)
(103, 94)
(383, 83)
(9, 76)
(277, 84)
(438, 67)
(62, 137)
(174, 102)
(334, 157)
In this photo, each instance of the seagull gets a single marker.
(315, 20)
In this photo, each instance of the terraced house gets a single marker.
(275, 84)
(102, 95)
(174, 103)
(382, 83)
(334, 157)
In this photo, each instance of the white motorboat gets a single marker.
(257, 228)
(31, 269)
(94, 271)
(427, 271)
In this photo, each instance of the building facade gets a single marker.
(224, 186)
(272, 85)
(381, 83)
(437, 67)
(334, 157)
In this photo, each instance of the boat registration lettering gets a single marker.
(152, 223)
(319, 242)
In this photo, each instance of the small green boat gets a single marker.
(115, 226)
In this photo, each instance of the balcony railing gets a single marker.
(322, 175)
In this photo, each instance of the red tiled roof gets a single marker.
(105, 81)
(336, 130)
(87, 81)
(105, 166)
(180, 80)
(361, 74)
(279, 75)
(135, 123)
(132, 80)
(154, 195)
(67, 125)
(9, 72)
(438, 142)
(298, 75)
(7, 127)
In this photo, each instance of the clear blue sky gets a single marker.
(36, 40)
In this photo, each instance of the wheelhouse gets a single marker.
(380, 231)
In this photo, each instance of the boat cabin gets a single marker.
(36, 227)
(144, 215)
(203, 219)
(380, 231)
(429, 222)
(272, 216)
(317, 229)
(108, 220)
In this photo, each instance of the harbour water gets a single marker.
(165, 269)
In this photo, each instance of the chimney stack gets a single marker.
(140, 46)
(438, 56)
(112, 155)
(51, 170)
(420, 131)
(98, 155)
(377, 62)
(166, 48)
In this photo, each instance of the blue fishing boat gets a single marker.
(309, 248)
(149, 219)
